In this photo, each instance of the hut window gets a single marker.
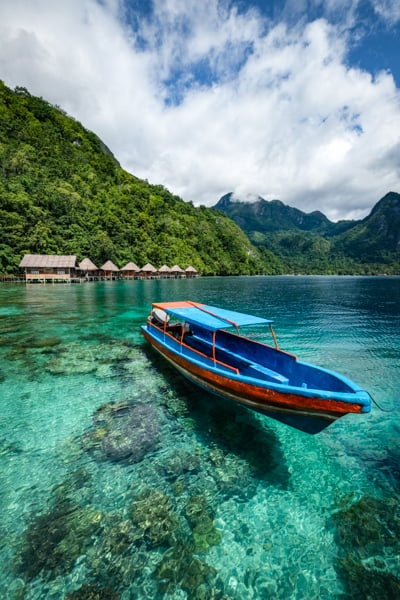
(60, 272)
(34, 272)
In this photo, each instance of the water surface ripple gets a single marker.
(119, 480)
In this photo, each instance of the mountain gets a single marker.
(311, 243)
(63, 192)
(376, 237)
(265, 216)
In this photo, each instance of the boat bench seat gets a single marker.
(277, 377)
(225, 355)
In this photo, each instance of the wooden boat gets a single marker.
(205, 344)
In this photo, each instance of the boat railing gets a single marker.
(182, 344)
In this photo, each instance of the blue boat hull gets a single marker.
(269, 391)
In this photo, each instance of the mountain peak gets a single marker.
(224, 201)
(270, 215)
(391, 202)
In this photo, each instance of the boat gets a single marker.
(205, 344)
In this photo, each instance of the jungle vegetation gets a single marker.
(63, 192)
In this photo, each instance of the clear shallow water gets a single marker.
(121, 480)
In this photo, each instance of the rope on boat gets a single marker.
(388, 410)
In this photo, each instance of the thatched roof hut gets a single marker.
(130, 271)
(176, 269)
(130, 266)
(87, 265)
(164, 272)
(109, 266)
(48, 267)
(49, 261)
(191, 271)
(148, 269)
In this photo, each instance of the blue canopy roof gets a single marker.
(209, 317)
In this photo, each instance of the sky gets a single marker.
(296, 100)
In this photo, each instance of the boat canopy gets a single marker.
(208, 317)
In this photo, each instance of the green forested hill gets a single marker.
(310, 243)
(63, 192)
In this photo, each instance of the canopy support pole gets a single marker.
(213, 345)
(274, 337)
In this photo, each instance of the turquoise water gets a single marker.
(120, 480)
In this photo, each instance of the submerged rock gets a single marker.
(7, 447)
(92, 592)
(48, 342)
(75, 358)
(368, 525)
(124, 432)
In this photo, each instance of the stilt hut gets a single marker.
(148, 272)
(130, 271)
(164, 272)
(177, 272)
(109, 270)
(48, 267)
(88, 270)
(191, 272)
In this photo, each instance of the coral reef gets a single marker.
(368, 534)
(180, 569)
(75, 358)
(180, 462)
(115, 559)
(152, 512)
(201, 518)
(92, 592)
(54, 540)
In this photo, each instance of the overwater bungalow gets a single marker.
(165, 272)
(109, 270)
(191, 271)
(130, 271)
(48, 267)
(148, 272)
(88, 269)
(177, 272)
(64, 268)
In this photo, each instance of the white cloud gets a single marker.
(388, 10)
(277, 113)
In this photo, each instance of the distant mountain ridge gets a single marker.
(310, 242)
(271, 215)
